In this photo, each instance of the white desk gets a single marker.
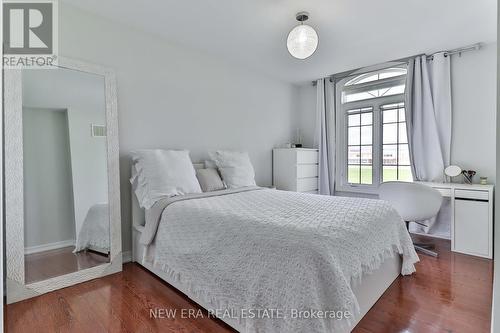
(471, 217)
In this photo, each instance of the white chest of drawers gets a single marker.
(295, 169)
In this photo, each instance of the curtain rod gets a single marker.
(459, 51)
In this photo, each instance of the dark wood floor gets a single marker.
(44, 265)
(448, 294)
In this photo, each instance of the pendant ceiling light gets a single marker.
(302, 40)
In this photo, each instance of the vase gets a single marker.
(468, 175)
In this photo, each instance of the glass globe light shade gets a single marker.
(302, 41)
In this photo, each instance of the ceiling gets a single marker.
(353, 33)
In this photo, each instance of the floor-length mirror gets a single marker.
(66, 212)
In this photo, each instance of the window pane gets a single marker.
(390, 133)
(353, 155)
(360, 96)
(353, 174)
(389, 173)
(390, 155)
(390, 116)
(392, 106)
(366, 174)
(394, 91)
(366, 155)
(353, 133)
(403, 138)
(402, 115)
(370, 78)
(353, 119)
(366, 118)
(382, 92)
(404, 155)
(366, 135)
(405, 173)
(355, 97)
(376, 75)
(392, 72)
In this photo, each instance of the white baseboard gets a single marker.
(126, 256)
(49, 246)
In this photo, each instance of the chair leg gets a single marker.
(424, 248)
(428, 246)
(426, 251)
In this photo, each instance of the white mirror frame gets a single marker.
(17, 289)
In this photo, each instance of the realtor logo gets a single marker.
(29, 33)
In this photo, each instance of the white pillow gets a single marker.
(235, 168)
(159, 173)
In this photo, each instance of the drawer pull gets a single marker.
(472, 194)
(470, 199)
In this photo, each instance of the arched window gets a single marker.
(373, 144)
(385, 82)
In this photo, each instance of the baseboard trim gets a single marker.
(126, 256)
(49, 246)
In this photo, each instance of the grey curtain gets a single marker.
(428, 116)
(324, 138)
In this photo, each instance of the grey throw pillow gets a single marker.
(209, 180)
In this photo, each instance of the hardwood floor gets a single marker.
(117, 303)
(43, 265)
(452, 293)
(448, 294)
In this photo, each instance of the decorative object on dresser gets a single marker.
(296, 169)
(468, 175)
(298, 139)
(452, 171)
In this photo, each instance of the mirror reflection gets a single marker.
(65, 172)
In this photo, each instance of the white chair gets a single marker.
(414, 202)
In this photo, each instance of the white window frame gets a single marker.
(341, 183)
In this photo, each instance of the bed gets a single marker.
(261, 259)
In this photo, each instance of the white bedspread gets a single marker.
(94, 232)
(269, 249)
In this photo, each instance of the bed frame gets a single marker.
(368, 291)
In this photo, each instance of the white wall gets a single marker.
(172, 97)
(88, 160)
(473, 77)
(48, 209)
(474, 87)
(305, 117)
